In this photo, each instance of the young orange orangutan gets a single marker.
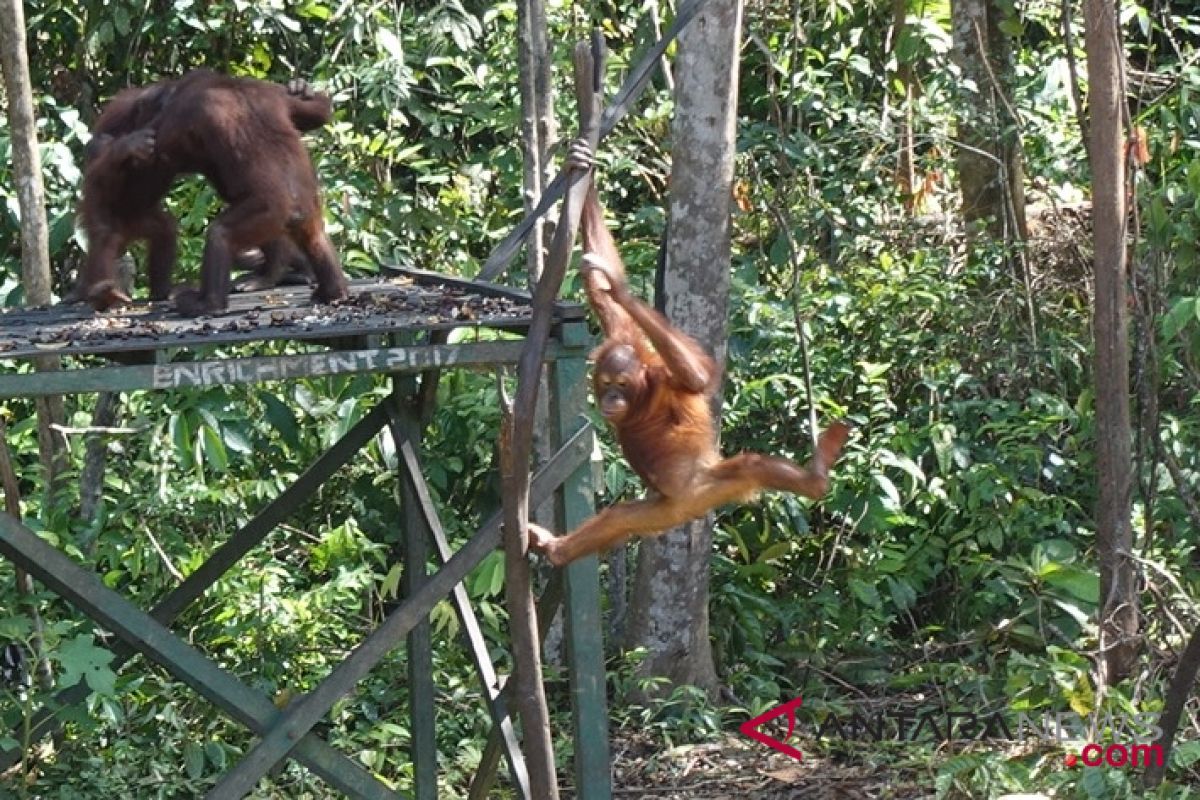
(656, 396)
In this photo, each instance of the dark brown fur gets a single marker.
(240, 133)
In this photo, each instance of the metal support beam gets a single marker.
(406, 429)
(299, 718)
(83, 589)
(45, 721)
(584, 630)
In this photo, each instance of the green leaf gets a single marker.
(941, 436)
(908, 45)
(865, 592)
(348, 413)
(120, 16)
(497, 584)
(1079, 583)
(872, 371)
(781, 250)
(775, 551)
(318, 11)
(214, 449)
(489, 576)
(1157, 220)
(390, 587)
(1052, 554)
(389, 44)
(1185, 754)
(1081, 697)
(280, 417)
(1093, 783)
(903, 595)
(1143, 20)
(1076, 613)
(889, 489)
(193, 760)
(81, 659)
(215, 754)
(1011, 25)
(236, 439)
(15, 628)
(181, 437)
(888, 458)
(1193, 171)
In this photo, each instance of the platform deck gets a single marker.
(397, 301)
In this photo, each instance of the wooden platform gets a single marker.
(400, 300)
(396, 326)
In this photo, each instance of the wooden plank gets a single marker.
(405, 428)
(83, 589)
(251, 534)
(381, 305)
(408, 301)
(300, 717)
(563, 310)
(485, 775)
(584, 628)
(213, 372)
(476, 643)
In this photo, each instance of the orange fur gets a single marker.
(654, 384)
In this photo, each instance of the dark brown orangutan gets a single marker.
(124, 187)
(123, 193)
(275, 263)
(654, 384)
(240, 133)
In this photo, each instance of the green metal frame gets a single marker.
(288, 733)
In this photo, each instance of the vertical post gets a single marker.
(585, 638)
(407, 424)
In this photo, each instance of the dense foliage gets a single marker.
(951, 568)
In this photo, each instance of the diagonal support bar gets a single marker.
(248, 537)
(279, 509)
(83, 589)
(485, 774)
(470, 625)
(300, 717)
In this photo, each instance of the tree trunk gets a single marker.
(538, 129)
(538, 126)
(27, 162)
(31, 195)
(990, 170)
(1114, 533)
(668, 611)
(906, 178)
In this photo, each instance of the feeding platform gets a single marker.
(400, 325)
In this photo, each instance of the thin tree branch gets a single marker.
(517, 443)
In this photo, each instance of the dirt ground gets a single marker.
(734, 767)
